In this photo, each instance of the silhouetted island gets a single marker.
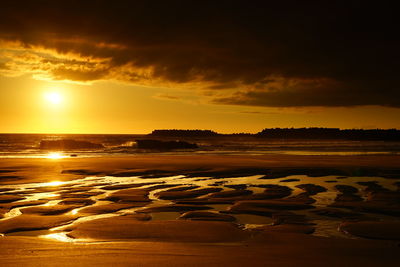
(331, 133)
(68, 144)
(183, 133)
(292, 133)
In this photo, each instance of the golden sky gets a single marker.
(131, 67)
(112, 107)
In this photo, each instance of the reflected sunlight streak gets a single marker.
(74, 212)
(53, 183)
(55, 155)
(59, 237)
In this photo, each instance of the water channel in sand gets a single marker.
(95, 189)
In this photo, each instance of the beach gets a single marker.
(197, 210)
(199, 133)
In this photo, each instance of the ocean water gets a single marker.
(27, 146)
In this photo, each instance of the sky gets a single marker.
(229, 66)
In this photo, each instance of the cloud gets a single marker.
(47, 64)
(257, 53)
(287, 92)
(78, 74)
(166, 97)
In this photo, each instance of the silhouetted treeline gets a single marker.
(293, 133)
(184, 133)
(331, 133)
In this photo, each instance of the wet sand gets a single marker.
(182, 210)
(23, 170)
(275, 250)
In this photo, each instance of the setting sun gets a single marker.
(54, 98)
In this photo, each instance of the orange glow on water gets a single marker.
(53, 183)
(55, 155)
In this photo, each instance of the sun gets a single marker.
(54, 98)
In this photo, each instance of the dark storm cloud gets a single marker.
(291, 53)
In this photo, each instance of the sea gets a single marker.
(117, 145)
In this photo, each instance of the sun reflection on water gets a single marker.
(63, 237)
(53, 183)
(55, 155)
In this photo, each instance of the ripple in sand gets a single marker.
(93, 189)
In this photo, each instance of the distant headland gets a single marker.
(292, 133)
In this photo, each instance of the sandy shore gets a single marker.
(233, 210)
(273, 250)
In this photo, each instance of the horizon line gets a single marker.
(38, 133)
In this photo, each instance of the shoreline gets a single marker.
(275, 250)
